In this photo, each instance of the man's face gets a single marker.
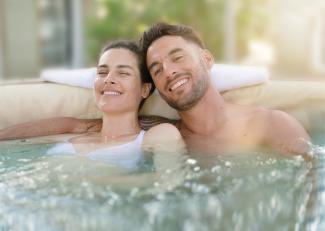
(180, 71)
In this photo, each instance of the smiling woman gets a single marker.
(120, 87)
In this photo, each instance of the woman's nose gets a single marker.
(109, 79)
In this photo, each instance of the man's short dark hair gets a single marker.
(159, 30)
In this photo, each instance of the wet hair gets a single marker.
(133, 47)
(161, 29)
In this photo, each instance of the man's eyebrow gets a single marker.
(170, 53)
(175, 51)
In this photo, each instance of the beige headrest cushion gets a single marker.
(25, 102)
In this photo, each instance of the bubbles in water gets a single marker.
(153, 209)
(257, 192)
(215, 169)
(228, 164)
(196, 169)
(191, 161)
(134, 192)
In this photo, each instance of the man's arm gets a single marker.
(285, 134)
(149, 121)
(53, 126)
(169, 151)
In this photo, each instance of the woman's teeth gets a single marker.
(111, 93)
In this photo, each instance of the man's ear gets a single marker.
(146, 87)
(208, 58)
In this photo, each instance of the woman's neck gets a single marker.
(119, 126)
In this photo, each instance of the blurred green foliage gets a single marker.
(128, 19)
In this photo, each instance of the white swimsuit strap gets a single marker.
(68, 147)
(139, 138)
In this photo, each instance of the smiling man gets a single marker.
(180, 67)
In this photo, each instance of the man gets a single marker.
(180, 67)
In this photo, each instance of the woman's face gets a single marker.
(117, 85)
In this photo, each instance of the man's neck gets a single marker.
(206, 117)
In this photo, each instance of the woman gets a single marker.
(120, 88)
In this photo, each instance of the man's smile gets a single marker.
(178, 84)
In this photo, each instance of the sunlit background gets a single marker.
(287, 36)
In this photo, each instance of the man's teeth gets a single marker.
(111, 93)
(178, 84)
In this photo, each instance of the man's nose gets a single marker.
(169, 69)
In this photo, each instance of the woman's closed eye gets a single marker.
(102, 74)
(124, 73)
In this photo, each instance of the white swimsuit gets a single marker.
(127, 155)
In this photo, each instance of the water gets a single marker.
(238, 192)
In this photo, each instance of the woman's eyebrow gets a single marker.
(121, 66)
(125, 66)
(102, 65)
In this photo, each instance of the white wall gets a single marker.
(318, 42)
(230, 31)
(1, 42)
(21, 38)
(297, 36)
(77, 34)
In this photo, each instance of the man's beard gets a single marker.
(190, 99)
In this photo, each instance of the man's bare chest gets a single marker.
(224, 141)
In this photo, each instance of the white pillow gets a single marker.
(224, 76)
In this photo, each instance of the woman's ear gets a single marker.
(146, 87)
(208, 58)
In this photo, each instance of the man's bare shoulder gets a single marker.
(281, 131)
(282, 122)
